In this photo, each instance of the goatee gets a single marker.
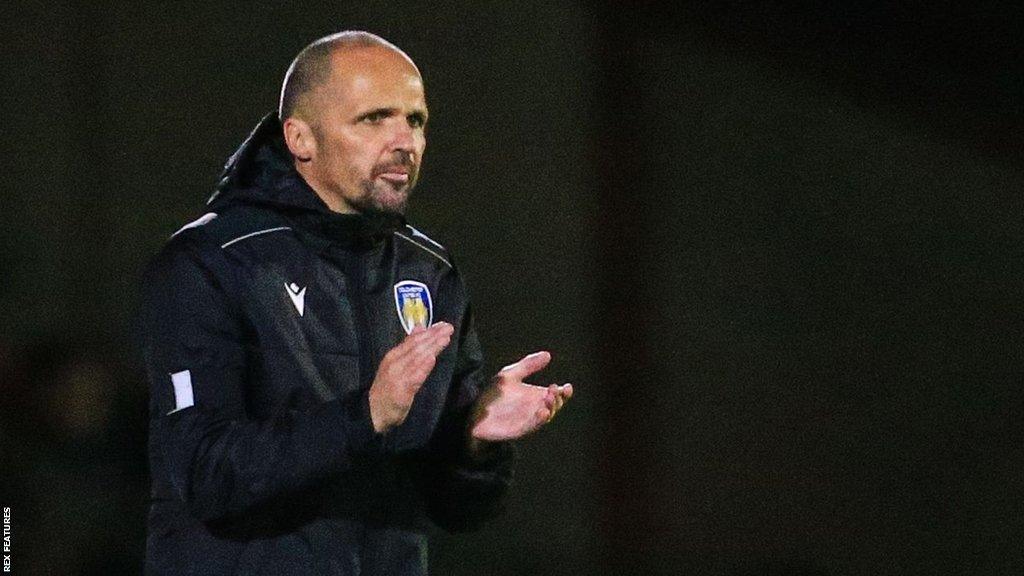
(383, 199)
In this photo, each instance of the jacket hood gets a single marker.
(261, 173)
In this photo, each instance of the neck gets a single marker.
(333, 201)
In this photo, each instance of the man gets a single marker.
(317, 393)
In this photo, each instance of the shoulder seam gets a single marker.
(204, 219)
(256, 233)
(422, 247)
(416, 232)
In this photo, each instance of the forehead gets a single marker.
(374, 76)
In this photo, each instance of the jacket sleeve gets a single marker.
(462, 493)
(218, 460)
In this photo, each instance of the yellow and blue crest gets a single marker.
(413, 303)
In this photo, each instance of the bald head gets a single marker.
(353, 116)
(312, 69)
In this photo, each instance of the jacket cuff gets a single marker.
(495, 459)
(491, 455)
(356, 424)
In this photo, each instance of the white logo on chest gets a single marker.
(297, 295)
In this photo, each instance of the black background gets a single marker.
(776, 246)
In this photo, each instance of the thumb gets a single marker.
(530, 364)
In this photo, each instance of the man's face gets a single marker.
(370, 127)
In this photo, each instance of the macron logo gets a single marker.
(298, 296)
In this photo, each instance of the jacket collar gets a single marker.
(261, 173)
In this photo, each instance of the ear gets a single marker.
(298, 135)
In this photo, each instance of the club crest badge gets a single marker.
(412, 301)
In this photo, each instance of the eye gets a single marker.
(417, 120)
(374, 117)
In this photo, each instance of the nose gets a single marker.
(402, 137)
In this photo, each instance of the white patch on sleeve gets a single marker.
(182, 390)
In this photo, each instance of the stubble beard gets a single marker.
(383, 198)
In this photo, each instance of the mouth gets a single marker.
(395, 174)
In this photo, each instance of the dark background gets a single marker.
(776, 246)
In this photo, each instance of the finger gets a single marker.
(542, 417)
(420, 362)
(530, 364)
(550, 401)
(434, 343)
(566, 390)
(419, 374)
(422, 358)
(419, 332)
(441, 334)
(555, 408)
(551, 396)
(409, 342)
(435, 334)
(438, 327)
(440, 344)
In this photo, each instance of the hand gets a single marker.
(511, 408)
(402, 372)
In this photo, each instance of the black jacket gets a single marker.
(262, 326)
